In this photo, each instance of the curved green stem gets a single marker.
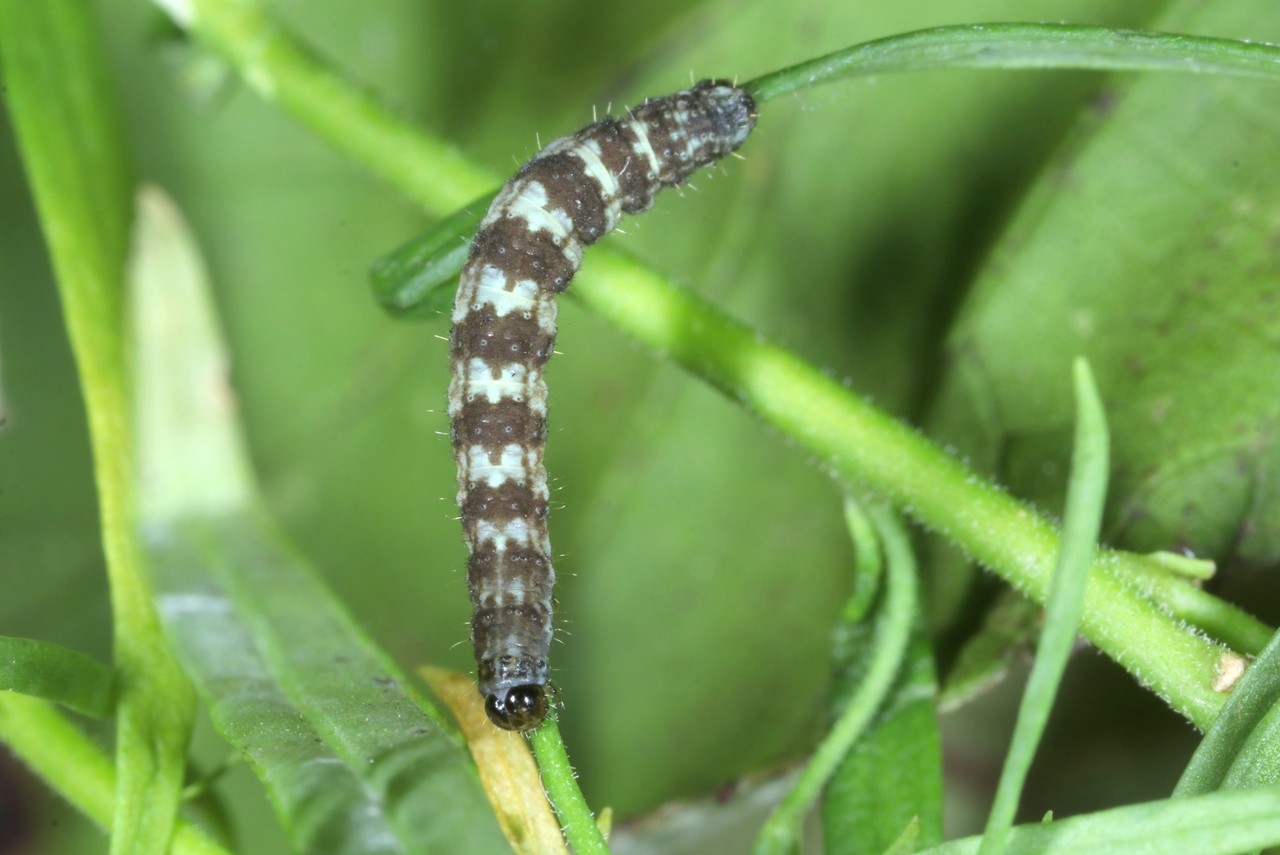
(68, 128)
(868, 447)
(781, 833)
(1012, 46)
(283, 72)
(60, 753)
(561, 781)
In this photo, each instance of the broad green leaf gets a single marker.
(1148, 245)
(68, 124)
(55, 673)
(354, 760)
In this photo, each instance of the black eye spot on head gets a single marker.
(521, 708)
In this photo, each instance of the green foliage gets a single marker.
(890, 777)
(1148, 244)
(68, 126)
(353, 759)
(1086, 495)
(1238, 750)
(703, 566)
(54, 673)
(1215, 824)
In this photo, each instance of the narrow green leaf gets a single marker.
(68, 127)
(55, 673)
(354, 759)
(891, 778)
(1086, 497)
(1027, 46)
(781, 833)
(906, 842)
(413, 280)
(1258, 763)
(1223, 823)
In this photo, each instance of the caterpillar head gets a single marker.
(519, 708)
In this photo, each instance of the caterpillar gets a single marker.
(526, 251)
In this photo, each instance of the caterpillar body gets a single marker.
(528, 247)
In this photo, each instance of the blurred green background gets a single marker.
(701, 559)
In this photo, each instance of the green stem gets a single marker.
(561, 781)
(432, 172)
(867, 447)
(67, 124)
(1184, 600)
(57, 751)
(1010, 46)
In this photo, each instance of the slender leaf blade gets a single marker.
(1086, 497)
(887, 650)
(891, 778)
(1223, 823)
(56, 673)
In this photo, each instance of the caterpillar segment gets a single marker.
(527, 250)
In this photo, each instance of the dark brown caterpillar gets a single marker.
(527, 250)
